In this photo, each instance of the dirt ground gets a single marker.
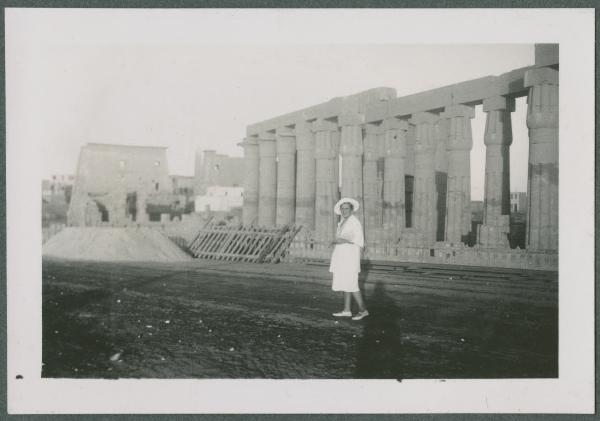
(155, 320)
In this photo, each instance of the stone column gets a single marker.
(440, 136)
(542, 191)
(409, 176)
(372, 194)
(326, 186)
(394, 217)
(286, 176)
(305, 175)
(424, 183)
(410, 150)
(251, 161)
(460, 142)
(496, 201)
(267, 179)
(351, 148)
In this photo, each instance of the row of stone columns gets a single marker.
(292, 173)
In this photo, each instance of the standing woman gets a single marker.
(345, 260)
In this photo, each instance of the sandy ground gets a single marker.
(207, 320)
(113, 244)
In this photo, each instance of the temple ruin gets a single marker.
(407, 161)
(121, 185)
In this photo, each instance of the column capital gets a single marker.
(266, 136)
(286, 144)
(498, 129)
(322, 125)
(371, 148)
(395, 144)
(373, 129)
(394, 124)
(302, 127)
(441, 129)
(351, 119)
(498, 103)
(352, 144)
(267, 147)
(305, 141)
(284, 132)
(371, 142)
(542, 109)
(424, 118)
(458, 110)
(248, 141)
(326, 150)
(541, 76)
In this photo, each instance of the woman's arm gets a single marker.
(340, 240)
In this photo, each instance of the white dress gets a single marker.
(345, 260)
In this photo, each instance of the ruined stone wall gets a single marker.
(113, 181)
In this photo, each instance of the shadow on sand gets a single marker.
(379, 354)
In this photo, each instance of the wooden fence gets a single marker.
(247, 244)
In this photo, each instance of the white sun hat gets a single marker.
(353, 202)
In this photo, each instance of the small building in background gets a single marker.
(61, 182)
(56, 196)
(220, 199)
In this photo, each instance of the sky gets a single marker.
(152, 78)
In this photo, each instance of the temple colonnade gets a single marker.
(407, 161)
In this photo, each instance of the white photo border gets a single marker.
(572, 392)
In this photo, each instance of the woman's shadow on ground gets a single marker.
(379, 354)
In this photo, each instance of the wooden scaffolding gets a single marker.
(246, 244)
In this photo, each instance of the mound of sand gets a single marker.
(113, 244)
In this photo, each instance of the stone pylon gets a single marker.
(496, 201)
(542, 191)
(267, 179)
(208, 172)
(373, 185)
(440, 136)
(394, 218)
(286, 176)
(458, 200)
(327, 186)
(251, 169)
(305, 175)
(424, 195)
(351, 150)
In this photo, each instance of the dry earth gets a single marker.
(216, 320)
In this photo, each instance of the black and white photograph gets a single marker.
(301, 210)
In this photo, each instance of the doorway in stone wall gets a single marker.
(131, 205)
(104, 215)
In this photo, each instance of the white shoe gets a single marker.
(361, 315)
(343, 314)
